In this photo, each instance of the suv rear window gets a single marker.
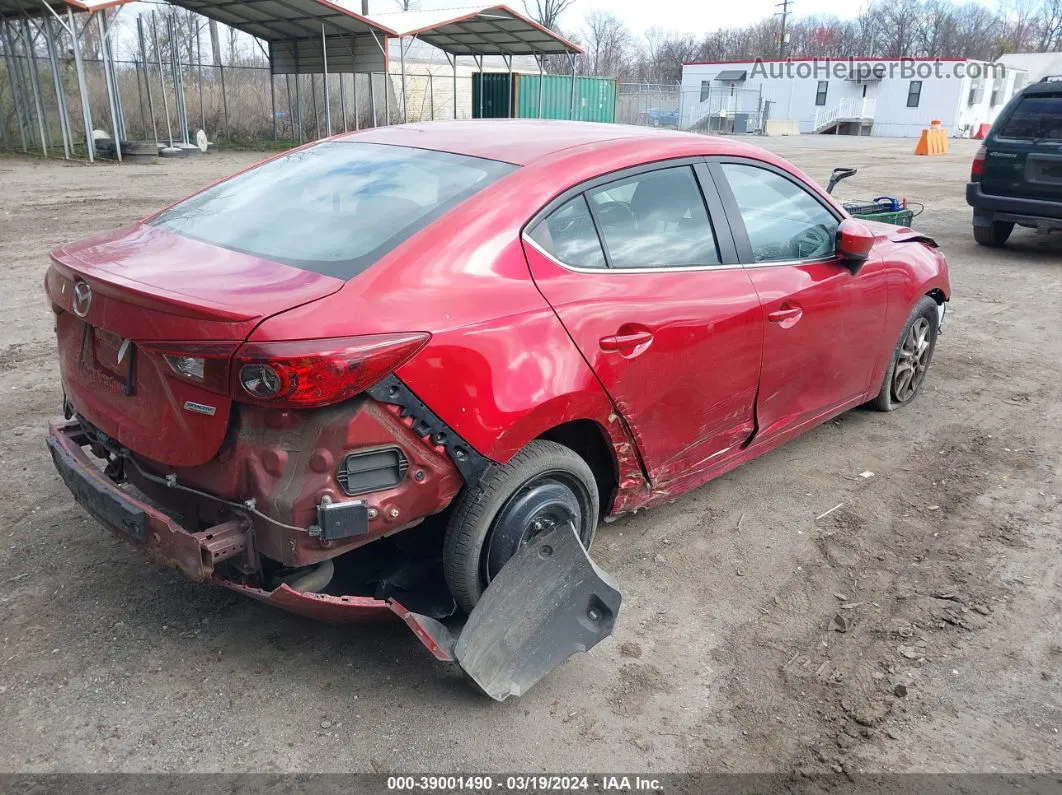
(1035, 118)
(334, 208)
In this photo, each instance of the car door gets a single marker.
(647, 284)
(822, 324)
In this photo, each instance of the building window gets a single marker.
(997, 89)
(820, 93)
(977, 93)
(914, 93)
(706, 89)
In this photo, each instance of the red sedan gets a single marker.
(511, 325)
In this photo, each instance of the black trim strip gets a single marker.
(469, 462)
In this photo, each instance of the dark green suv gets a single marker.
(1016, 176)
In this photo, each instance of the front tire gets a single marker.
(544, 485)
(994, 235)
(911, 358)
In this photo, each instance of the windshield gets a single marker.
(1035, 118)
(334, 208)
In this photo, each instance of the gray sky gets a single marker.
(687, 16)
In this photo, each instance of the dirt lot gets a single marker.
(946, 563)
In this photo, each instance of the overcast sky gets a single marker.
(687, 16)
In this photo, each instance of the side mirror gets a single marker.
(854, 241)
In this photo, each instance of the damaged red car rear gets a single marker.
(373, 372)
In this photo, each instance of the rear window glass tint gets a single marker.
(334, 208)
(1035, 118)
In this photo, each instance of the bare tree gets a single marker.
(608, 44)
(547, 12)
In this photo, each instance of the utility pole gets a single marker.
(784, 14)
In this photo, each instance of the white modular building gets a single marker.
(885, 97)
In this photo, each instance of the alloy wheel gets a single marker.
(912, 361)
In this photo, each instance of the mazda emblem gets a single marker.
(82, 299)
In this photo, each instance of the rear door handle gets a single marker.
(619, 342)
(787, 313)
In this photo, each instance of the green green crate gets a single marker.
(894, 217)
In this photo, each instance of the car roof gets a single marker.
(1050, 86)
(523, 141)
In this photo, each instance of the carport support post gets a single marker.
(79, 67)
(147, 77)
(571, 110)
(110, 87)
(60, 97)
(431, 95)
(541, 84)
(402, 67)
(298, 104)
(479, 62)
(162, 78)
(509, 101)
(372, 99)
(343, 100)
(35, 86)
(273, 97)
(291, 108)
(13, 79)
(357, 124)
(455, 86)
(327, 99)
(273, 91)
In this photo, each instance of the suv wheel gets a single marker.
(995, 234)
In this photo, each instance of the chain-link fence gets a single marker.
(722, 110)
(231, 103)
(718, 109)
(648, 104)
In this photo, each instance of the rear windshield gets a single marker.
(1035, 118)
(334, 208)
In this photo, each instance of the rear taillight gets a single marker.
(310, 373)
(977, 168)
(202, 363)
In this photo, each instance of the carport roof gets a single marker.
(481, 30)
(285, 20)
(20, 8)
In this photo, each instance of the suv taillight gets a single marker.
(313, 373)
(977, 168)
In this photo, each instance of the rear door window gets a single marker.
(334, 208)
(655, 220)
(568, 235)
(1036, 118)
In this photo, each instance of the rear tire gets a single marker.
(910, 358)
(543, 485)
(994, 235)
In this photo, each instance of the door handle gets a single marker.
(619, 342)
(784, 314)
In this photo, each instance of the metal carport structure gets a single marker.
(300, 36)
(22, 23)
(478, 32)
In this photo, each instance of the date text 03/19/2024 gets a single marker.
(523, 783)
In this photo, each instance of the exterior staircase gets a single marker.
(850, 114)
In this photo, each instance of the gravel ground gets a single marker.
(946, 563)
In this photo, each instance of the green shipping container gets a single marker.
(595, 97)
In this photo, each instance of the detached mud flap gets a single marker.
(547, 603)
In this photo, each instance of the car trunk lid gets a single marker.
(127, 300)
